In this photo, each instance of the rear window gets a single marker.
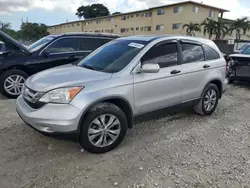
(192, 53)
(92, 43)
(210, 53)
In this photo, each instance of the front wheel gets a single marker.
(209, 100)
(103, 128)
(12, 82)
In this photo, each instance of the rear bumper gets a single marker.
(51, 118)
(240, 78)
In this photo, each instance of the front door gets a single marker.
(155, 91)
(62, 51)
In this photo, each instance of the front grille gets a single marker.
(35, 105)
(32, 97)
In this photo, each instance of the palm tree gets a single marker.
(191, 28)
(220, 30)
(208, 27)
(240, 26)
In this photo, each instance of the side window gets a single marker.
(192, 53)
(210, 53)
(165, 54)
(64, 45)
(87, 44)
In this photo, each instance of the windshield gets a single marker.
(40, 43)
(113, 56)
(244, 47)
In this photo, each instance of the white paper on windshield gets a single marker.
(136, 45)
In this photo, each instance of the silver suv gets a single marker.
(100, 97)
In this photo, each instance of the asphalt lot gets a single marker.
(180, 150)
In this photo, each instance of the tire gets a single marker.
(13, 74)
(200, 107)
(103, 112)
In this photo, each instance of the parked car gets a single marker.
(239, 67)
(101, 96)
(2, 47)
(18, 62)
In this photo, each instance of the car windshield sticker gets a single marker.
(136, 45)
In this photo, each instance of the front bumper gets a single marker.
(51, 118)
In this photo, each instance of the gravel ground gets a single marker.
(181, 150)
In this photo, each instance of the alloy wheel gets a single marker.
(210, 100)
(104, 130)
(14, 84)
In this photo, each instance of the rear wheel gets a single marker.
(103, 128)
(209, 100)
(11, 83)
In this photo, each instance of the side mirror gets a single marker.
(150, 68)
(46, 54)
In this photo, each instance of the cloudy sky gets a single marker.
(57, 11)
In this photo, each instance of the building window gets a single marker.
(123, 18)
(127, 29)
(112, 30)
(132, 15)
(141, 28)
(196, 9)
(160, 12)
(159, 27)
(177, 26)
(78, 24)
(211, 13)
(127, 16)
(178, 9)
(137, 15)
(137, 29)
(148, 14)
(123, 30)
(68, 25)
(142, 14)
(132, 29)
(147, 28)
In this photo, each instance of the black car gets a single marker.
(239, 68)
(18, 62)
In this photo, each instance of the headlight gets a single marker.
(61, 95)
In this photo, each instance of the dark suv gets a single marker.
(18, 62)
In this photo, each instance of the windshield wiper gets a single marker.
(89, 67)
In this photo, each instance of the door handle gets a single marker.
(206, 66)
(175, 71)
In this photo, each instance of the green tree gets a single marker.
(240, 26)
(33, 31)
(116, 13)
(208, 27)
(4, 26)
(191, 28)
(220, 30)
(92, 11)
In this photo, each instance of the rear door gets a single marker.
(89, 44)
(193, 60)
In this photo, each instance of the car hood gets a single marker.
(9, 40)
(64, 76)
(240, 55)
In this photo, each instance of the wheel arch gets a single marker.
(218, 83)
(16, 67)
(121, 102)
